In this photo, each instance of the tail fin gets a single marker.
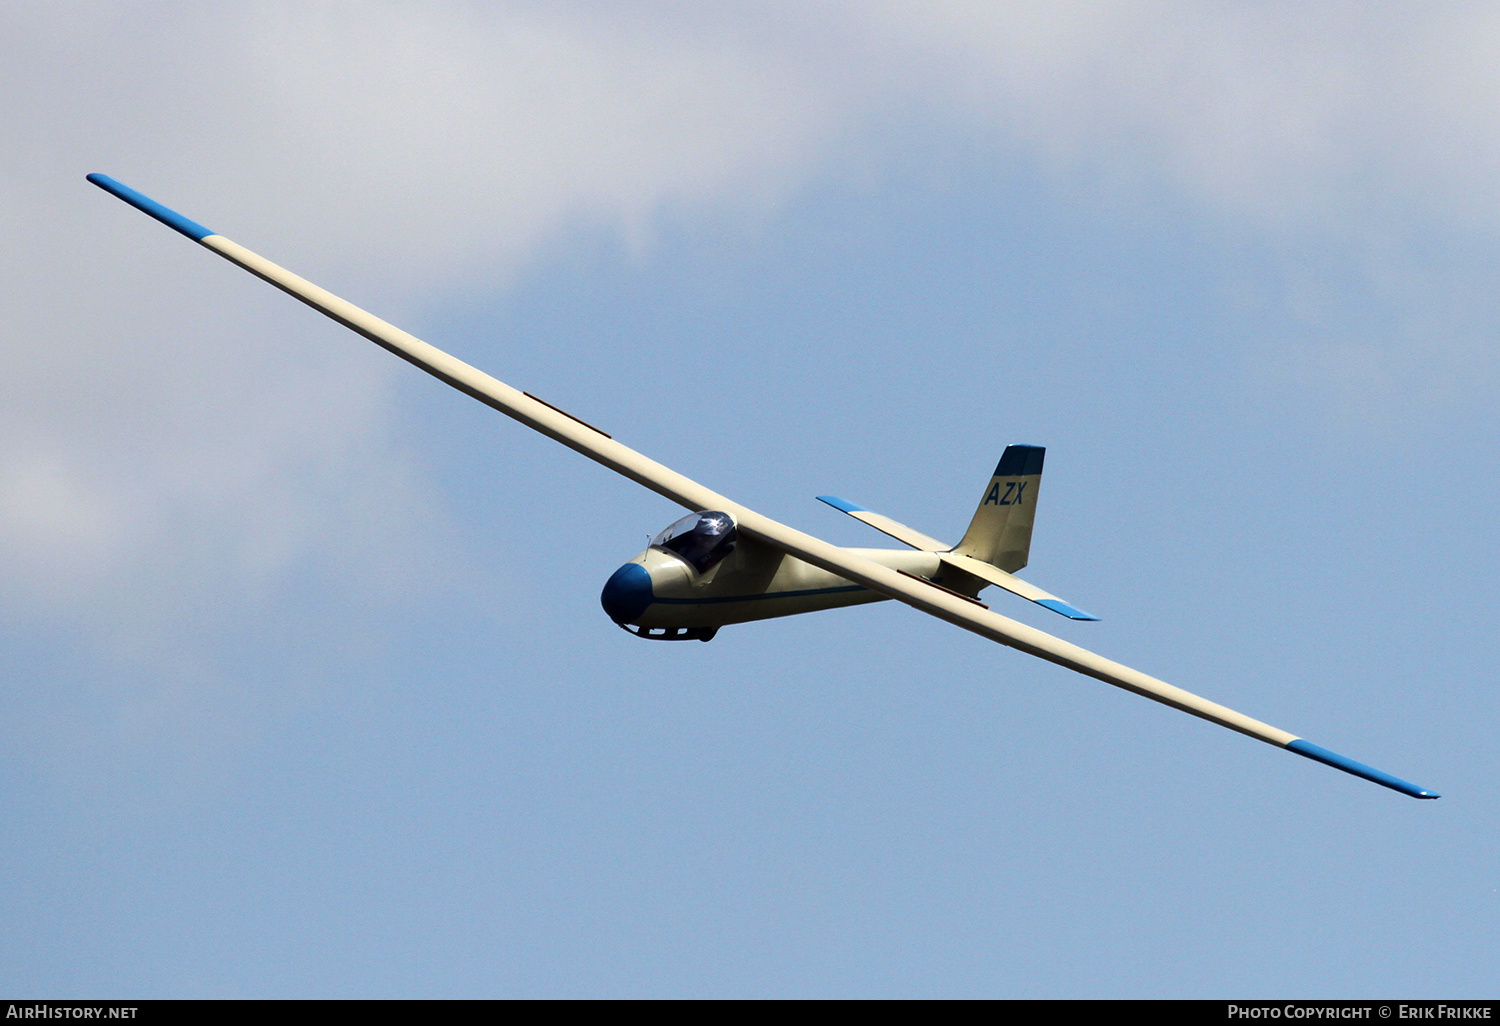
(1000, 533)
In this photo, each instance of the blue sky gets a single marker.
(308, 688)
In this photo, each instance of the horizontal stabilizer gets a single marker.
(906, 535)
(1000, 579)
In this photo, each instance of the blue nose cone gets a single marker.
(627, 593)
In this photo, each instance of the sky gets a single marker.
(307, 690)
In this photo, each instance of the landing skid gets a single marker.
(672, 633)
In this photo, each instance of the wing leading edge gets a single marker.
(593, 443)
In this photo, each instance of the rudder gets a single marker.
(1000, 533)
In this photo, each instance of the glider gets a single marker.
(725, 563)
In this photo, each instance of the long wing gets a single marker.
(600, 447)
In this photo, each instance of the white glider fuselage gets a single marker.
(662, 595)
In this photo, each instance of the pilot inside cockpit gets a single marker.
(702, 539)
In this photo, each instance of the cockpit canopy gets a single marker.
(702, 539)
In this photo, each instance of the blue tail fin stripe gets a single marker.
(1021, 461)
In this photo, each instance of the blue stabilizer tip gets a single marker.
(1359, 769)
(839, 504)
(1071, 612)
(147, 205)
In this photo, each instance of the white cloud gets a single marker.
(420, 144)
(1351, 146)
(476, 132)
(393, 150)
(1268, 110)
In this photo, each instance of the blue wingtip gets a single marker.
(839, 504)
(1359, 769)
(1071, 612)
(147, 205)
